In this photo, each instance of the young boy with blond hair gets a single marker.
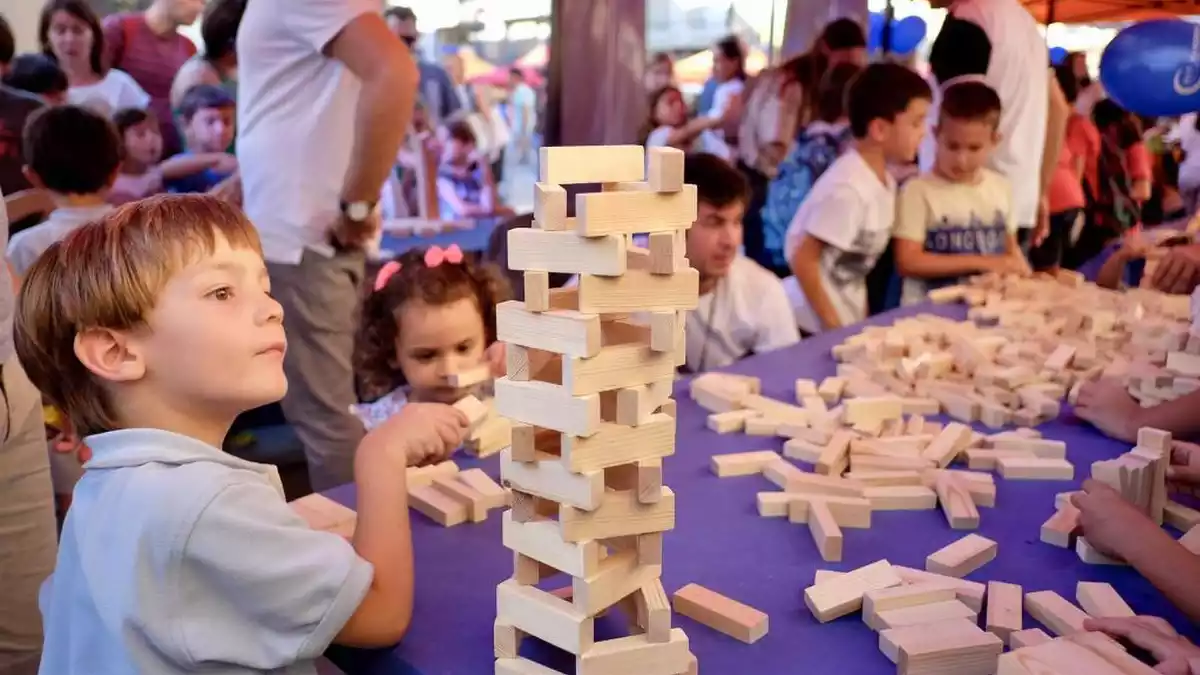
(153, 328)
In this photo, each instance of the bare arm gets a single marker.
(1171, 568)
(912, 260)
(1113, 270)
(385, 103)
(1056, 132)
(181, 166)
(383, 537)
(1178, 416)
(683, 136)
(806, 265)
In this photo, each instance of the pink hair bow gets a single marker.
(436, 256)
(385, 274)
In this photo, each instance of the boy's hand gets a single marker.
(1109, 522)
(225, 163)
(1174, 653)
(1109, 407)
(423, 432)
(1184, 472)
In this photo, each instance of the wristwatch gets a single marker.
(357, 211)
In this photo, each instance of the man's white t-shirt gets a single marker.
(296, 120)
(852, 212)
(115, 91)
(746, 313)
(1019, 71)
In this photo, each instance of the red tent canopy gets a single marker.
(1090, 11)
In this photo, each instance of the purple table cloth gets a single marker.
(720, 542)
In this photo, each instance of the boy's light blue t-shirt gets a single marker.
(178, 558)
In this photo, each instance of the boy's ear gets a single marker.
(110, 355)
(997, 137)
(34, 179)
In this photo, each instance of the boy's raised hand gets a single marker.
(1184, 472)
(423, 432)
(1174, 653)
(1109, 522)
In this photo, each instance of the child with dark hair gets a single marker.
(743, 309)
(846, 221)
(819, 144)
(1066, 198)
(206, 114)
(465, 185)
(39, 75)
(957, 220)
(1112, 209)
(428, 315)
(73, 153)
(668, 125)
(143, 171)
(729, 71)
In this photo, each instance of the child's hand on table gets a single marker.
(1183, 474)
(1109, 407)
(424, 432)
(1174, 653)
(1109, 522)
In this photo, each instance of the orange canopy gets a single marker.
(1091, 11)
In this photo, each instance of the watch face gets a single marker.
(358, 211)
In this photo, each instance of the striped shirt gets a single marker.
(152, 60)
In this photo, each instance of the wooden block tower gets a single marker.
(590, 372)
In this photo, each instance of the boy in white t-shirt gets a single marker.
(743, 309)
(958, 220)
(845, 223)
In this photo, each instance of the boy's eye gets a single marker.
(223, 293)
(464, 347)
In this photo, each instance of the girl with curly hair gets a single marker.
(429, 315)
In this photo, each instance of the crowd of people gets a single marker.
(190, 232)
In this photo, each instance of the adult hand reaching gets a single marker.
(1174, 653)
(1109, 522)
(1184, 472)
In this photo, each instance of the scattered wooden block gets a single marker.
(957, 503)
(901, 498)
(761, 425)
(962, 557)
(1101, 600)
(435, 505)
(1054, 612)
(1180, 517)
(1039, 447)
(871, 410)
(730, 422)
(981, 459)
(720, 613)
(970, 593)
(1058, 530)
(475, 503)
(923, 614)
(934, 649)
(773, 504)
(322, 513)
(1088, 554)
(1030, 637)
(881, 479)
(900, 597)
(843, 595)
(825, 531)
(953, 439)
(1191, 540)
(1004, 609)
(742, 463)
(1019, 468)
(831, 389)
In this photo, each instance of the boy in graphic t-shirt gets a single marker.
(957, 220)
(845, 222)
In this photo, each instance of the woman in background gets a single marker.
(69, 33)
(218, 63)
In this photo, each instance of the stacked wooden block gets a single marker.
(588, 391)
(1140, 476)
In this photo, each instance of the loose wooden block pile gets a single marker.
(588, 392)
(928, 621)
(867, 456)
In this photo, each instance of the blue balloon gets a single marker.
(1058, 55)
(1152, 68)
(907, 34)
(875, 31)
